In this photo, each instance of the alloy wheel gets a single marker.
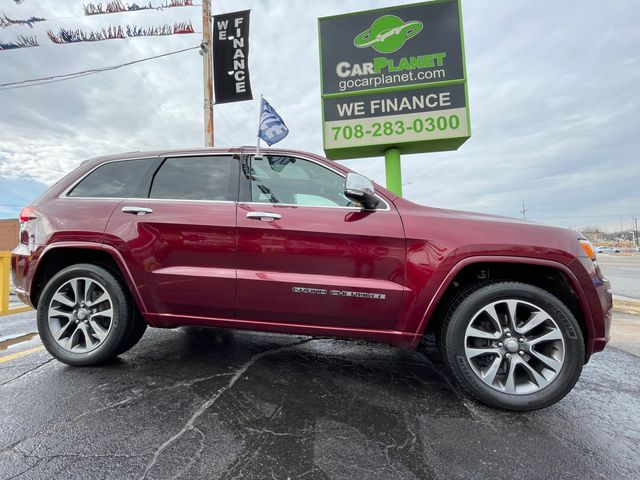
(80, 315)
(514, 346)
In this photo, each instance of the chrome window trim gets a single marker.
(65, 193)
(92, 198)
(313, 160)
(355, 209)
(161, 200)
(213, 154)
(146, 199)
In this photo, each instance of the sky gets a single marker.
(552, 94)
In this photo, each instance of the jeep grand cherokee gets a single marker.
(291, 242)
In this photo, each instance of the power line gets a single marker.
(68, 76)
(58, 45)
(587, 216)
(155, 9)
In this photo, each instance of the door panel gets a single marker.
(180, 245)
(181, 256)
(338, 267)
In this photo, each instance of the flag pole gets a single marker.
(258, 155)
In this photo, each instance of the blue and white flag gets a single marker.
(272, 128)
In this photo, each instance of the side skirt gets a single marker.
(392, 337)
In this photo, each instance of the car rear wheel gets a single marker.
(512, 346)
(86, 315)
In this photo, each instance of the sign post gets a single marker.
(393, 82)
(393, 170)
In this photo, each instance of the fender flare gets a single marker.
(113, 253)
(569, 275)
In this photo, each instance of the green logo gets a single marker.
(388, 34)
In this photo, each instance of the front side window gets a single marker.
(295, 181)
(197, 178)
(113, 180)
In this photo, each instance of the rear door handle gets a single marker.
(137, 210)
(264, 216)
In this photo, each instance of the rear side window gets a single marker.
(113, 180)
(197, 178)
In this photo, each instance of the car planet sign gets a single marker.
(393, 77)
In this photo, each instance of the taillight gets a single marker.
(27, 214)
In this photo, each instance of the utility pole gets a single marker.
(206, 50)
(635, 230)
(524, 211)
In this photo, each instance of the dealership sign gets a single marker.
(394, 77)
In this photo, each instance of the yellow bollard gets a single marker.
(5, 272)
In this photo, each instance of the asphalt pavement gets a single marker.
(207, 404)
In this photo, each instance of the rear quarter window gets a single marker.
(116, 179)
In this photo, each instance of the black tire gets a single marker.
(133, 336)
(121, 330)
(452, 345)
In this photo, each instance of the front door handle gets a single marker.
(264, 216)
(137, 210)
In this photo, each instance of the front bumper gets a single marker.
(605, 302)
(599, 303)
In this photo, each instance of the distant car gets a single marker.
(608, 250)
(291, 242)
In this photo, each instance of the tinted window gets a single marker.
(113, 180)
(196, 178)
(281, 179)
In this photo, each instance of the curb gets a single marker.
(626, 305)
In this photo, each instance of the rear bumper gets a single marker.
(23, 269)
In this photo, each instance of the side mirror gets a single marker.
(360, 189)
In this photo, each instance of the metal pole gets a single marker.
(393, 170)
(5, 270)
(635, 222)
(207, 61)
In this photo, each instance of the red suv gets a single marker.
(291, 242)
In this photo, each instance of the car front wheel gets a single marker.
(512, 346)
(85, 315)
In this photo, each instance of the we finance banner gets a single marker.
(231, 81)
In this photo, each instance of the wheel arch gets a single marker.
(58, 256)
(553, 277)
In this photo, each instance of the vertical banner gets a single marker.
(231, 57)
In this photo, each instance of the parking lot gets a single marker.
(203, 403)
